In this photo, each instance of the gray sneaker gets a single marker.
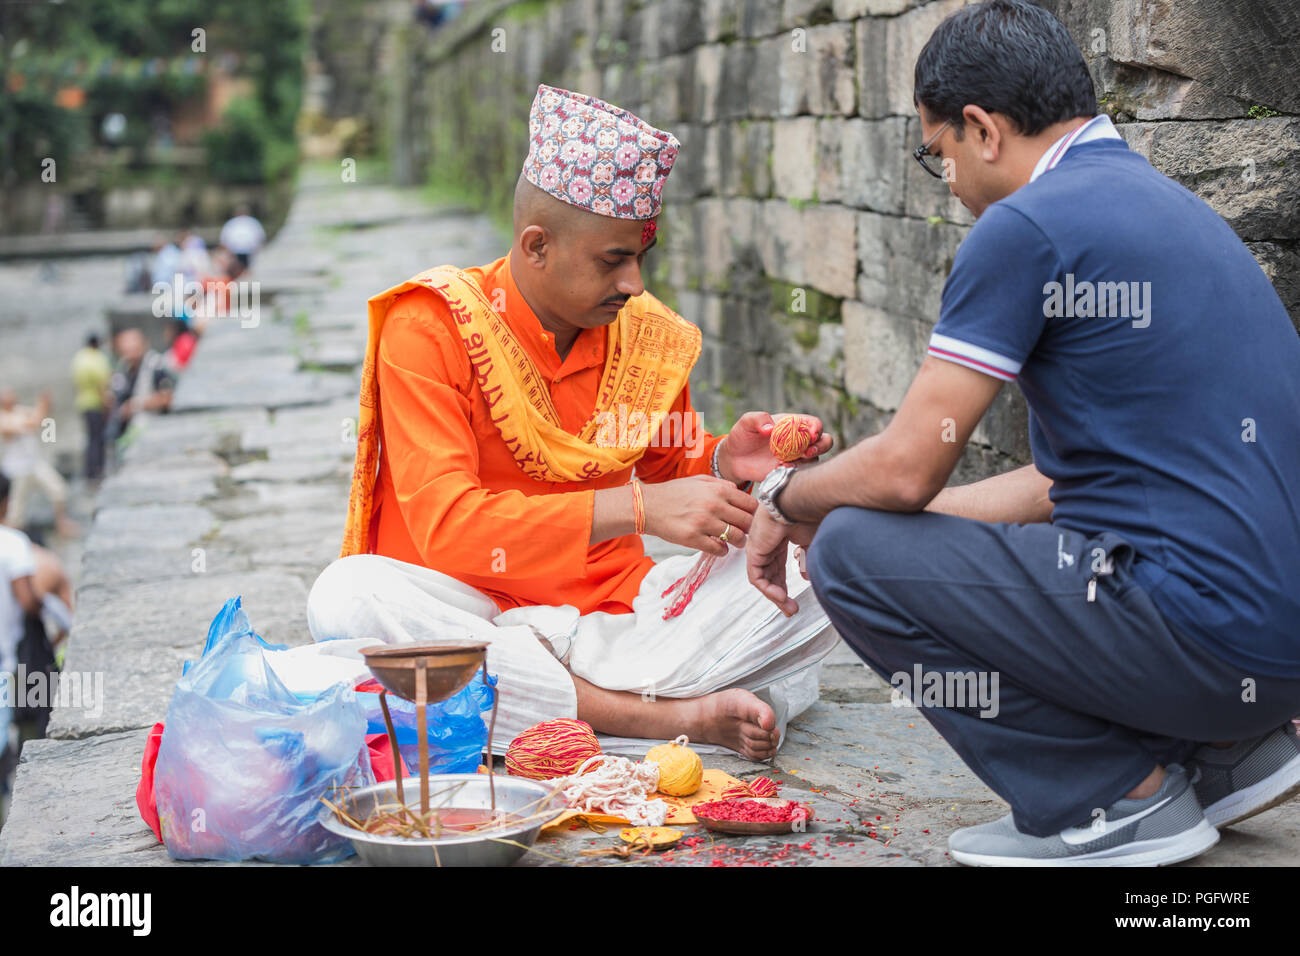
(1166, 827)
(1251, 776)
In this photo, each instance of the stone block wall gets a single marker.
(797, 230)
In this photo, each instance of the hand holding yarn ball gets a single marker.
(792, 435)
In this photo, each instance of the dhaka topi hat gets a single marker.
(596, 156)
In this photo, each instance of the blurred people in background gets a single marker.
(54, 592)
(141, 383)
(166, 260)
(26, 468)
(224, 269)
(187, 255)
(181, 341)
(139, 272)
(226, 266)
(35, 601)
(243, 236)
(18, 599)
(91, 373)
(184, 253)
(194, 262)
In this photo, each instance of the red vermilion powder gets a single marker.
(751, 811)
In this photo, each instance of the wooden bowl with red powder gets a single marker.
(753, 815)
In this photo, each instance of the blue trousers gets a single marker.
(1091, 694)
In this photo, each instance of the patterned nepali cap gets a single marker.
(596, 156)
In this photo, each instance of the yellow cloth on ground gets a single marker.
(679, 808)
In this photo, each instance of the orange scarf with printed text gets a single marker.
(649, 354)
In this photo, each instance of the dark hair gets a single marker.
(4, 487)
(92, 340)
(1008, 57)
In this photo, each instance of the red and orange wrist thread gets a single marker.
(638, 507)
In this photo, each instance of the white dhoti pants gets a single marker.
(728, 636)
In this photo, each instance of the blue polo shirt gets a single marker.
(1162, 375)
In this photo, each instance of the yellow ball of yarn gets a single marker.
(680, 769)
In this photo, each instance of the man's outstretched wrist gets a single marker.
(770, 489)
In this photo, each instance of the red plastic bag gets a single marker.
(381, 758)
(381, 762)
(144, 798)
(381, 752)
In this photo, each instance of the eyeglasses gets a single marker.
(922, 151)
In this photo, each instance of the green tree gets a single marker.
(45, 46)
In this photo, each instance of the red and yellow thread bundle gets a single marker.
(761, 787)
(791, 437)
(553, 748)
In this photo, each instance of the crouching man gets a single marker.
(1134, 589)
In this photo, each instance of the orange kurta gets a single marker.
(450, 496)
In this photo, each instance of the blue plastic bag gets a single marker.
(231, 619)
(457, 727)
(243, 763)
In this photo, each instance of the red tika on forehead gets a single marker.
(648, 231)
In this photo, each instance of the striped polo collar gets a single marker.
(1099, 127)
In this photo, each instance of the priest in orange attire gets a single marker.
(522, 424)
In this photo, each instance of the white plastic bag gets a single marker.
(243, 762)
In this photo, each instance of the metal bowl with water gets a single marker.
(461, 791)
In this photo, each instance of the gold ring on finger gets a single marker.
(723, 537)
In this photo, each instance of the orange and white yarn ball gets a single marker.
(791, 436)
(553, 748)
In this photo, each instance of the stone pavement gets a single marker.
(242, 491)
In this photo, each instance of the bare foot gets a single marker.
(734, 718)
(737, 719)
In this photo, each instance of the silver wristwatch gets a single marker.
(770, 487)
